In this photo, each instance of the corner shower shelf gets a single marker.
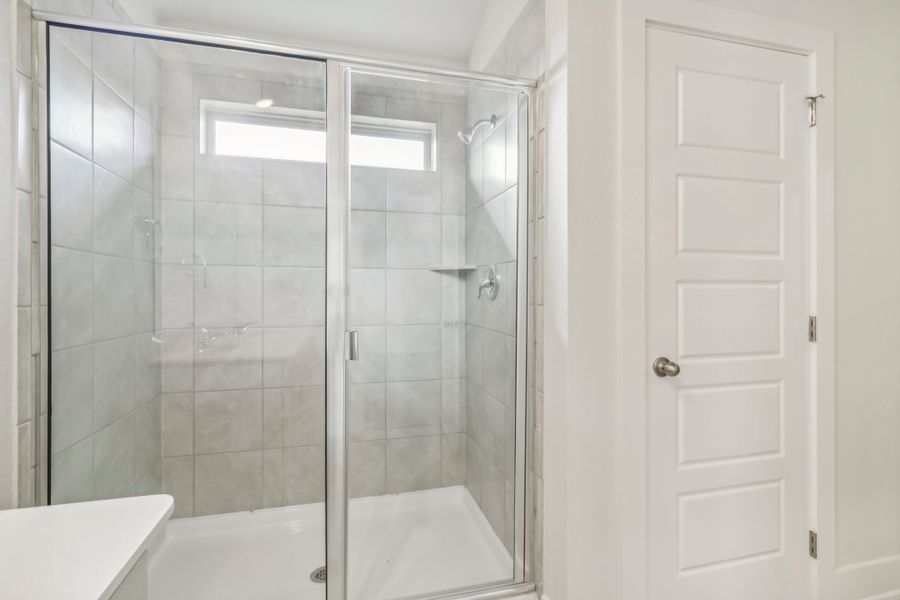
(453, 268)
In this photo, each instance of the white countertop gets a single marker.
(79, 551)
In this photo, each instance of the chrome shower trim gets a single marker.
(469, 134)
(514, 590)
(337, 269)
(241, 43)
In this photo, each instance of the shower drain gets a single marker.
(319, 575)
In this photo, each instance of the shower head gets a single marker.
(467, 135)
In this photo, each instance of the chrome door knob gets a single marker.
(663, 367)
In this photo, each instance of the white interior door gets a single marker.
(728, 300)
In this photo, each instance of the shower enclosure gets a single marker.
(289, 290)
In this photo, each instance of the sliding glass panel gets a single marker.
(187, 306)
(432, 400)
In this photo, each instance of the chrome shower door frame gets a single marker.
(338, 69)
(522, 579)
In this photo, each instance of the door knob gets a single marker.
(663, 367)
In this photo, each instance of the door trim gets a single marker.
(735, 26)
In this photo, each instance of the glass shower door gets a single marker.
(187, 306)
(193, 274)
(434, 399)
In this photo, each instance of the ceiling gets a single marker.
(432, 31)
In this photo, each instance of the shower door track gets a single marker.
(286, 50)
(338, 68)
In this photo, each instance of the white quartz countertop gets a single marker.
(77, 551)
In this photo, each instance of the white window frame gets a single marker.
(212, 111)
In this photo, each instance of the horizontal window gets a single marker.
(230, 129)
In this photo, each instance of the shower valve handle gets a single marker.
(489, 284)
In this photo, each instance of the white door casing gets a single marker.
(728, 283)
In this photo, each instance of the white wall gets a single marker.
(580, 418)
(498, 18)
(582, 502)
(588, 329)
(555, 283)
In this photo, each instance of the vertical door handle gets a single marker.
(353, 345)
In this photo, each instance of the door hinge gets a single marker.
(813, 329)
(813, 544)
(812, 102)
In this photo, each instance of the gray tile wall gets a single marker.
(106, 381)
(490, 351)
(29, 305)
(32, 301)
(242, 302)
(404, 431)
(491, 197)
(406, 396)
(243, 409)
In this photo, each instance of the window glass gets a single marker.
(384, 143)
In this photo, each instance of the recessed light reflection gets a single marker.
(265, 102)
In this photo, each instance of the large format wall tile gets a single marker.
(178, 481)
(177, 239)
(413, 352)
(228, 482)
(293, 236)
(113, 297)
(227, 421)
(227, 179)
(73, 396)
(488, 398)
(106, 370)
(367, 240)
(244, 244)
(294, 416)
(366, 418)
(72, 209)
(113, 62)
(293, 296)
(113, 214)
(72, 295)
(113, 380)
(113, 132)
(304, 474)
(288, 183)
(227, 296)
(413, 464)
(368, 188)
(72, 473)
(413, 297)
(413, 408)
(71, 103)
(413, 241)
(177, 173)
(367, 297)
(413, 191)
(225, 359)
(114, 453)
(227, 234)
(177, 424)
(366, 462)
(144, 150)
(294, 356)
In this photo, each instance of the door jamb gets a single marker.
(736, 26)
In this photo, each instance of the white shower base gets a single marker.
(400, 546)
